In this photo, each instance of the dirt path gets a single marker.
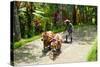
(75, 52)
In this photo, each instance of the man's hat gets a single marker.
(67, 20)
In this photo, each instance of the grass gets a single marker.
(22, 42)
(92, 56)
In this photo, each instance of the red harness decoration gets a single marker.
(53, 40)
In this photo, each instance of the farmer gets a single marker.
(69, 30)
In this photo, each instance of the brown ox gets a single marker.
(47, 37)
(56, 42)
(55, 46)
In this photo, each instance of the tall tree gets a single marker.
(16, 23)
(29, 10)
(74, 14)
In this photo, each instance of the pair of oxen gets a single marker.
(51, 41)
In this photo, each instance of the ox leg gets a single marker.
(49, 47)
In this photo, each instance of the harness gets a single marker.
(53, 40)
(54, 45)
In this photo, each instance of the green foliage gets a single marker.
(92, 56)
(22, 42)
(60, 29)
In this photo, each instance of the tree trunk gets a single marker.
(16, 24)
(29, 19)
(74, 14)
(95, 15)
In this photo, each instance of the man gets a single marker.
(69, 30)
